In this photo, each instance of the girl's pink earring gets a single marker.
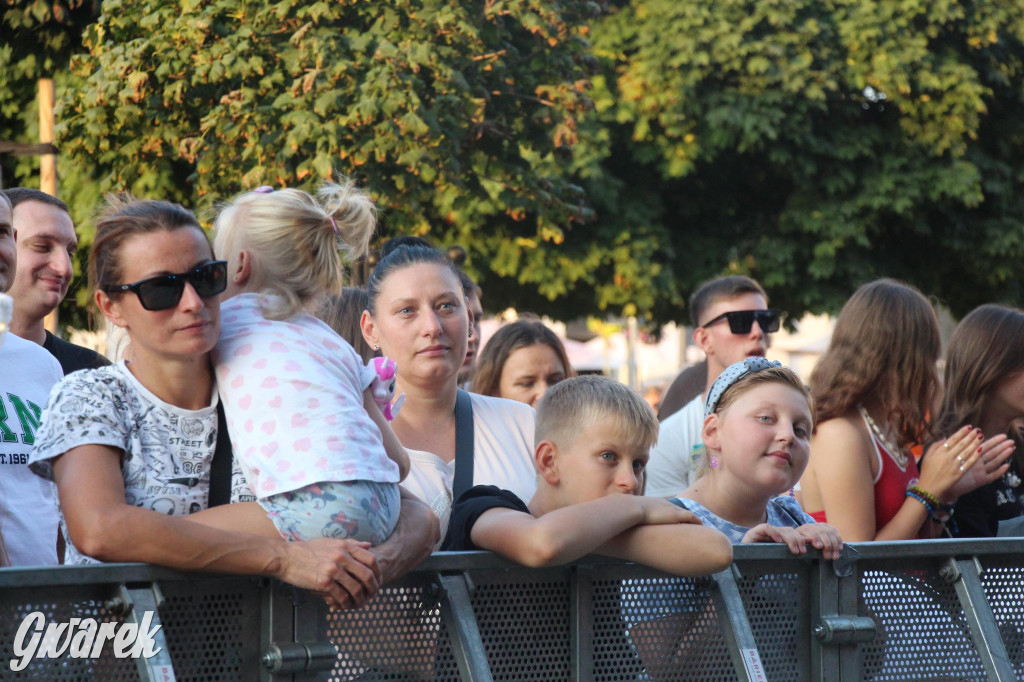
(714, 461)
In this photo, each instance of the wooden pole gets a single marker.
(47, 162)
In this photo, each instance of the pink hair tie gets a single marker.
(334, 225)
(264, 189)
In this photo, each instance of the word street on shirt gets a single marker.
(81, 638)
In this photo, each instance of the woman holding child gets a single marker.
(130, 446)
(873, 391)
(417, 316)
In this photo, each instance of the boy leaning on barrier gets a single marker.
(592, 441)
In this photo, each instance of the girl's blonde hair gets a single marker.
(293, 240)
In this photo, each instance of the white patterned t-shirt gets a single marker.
(167, 450)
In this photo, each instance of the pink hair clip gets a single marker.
(264, 189)
(334, 225)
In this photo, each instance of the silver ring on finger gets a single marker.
(945, 444)
(962, 467)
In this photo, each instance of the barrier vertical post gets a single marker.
(581, 622)
(739, 638)
(459, 619)
(965, 574)
(148, 600)
(825, 660)
(277, 615)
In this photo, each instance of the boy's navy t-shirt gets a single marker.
(468, 508)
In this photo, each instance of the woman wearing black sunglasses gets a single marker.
(130, 446)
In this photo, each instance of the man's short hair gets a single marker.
(573, 405)
(18, 195)
(720, 288)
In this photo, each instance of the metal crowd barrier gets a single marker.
(929, 610)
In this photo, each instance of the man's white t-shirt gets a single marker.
(28, 517)
(676, 456)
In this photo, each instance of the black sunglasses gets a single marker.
(164, 291)
(740, 321)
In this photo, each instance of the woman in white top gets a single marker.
(417, 316)
(130, 446)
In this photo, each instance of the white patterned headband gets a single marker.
(731, 375)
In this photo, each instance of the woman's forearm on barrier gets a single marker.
(102, 525)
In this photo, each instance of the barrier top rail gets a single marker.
(935, 610)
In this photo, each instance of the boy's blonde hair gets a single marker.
(294, 241)
(575, 404)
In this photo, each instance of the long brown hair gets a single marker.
(986, 348)
(507, 340)
(883, 353)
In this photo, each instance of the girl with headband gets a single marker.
(757, 428)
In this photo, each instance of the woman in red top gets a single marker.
(873, 390)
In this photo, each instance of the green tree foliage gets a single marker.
(38, 40)
(814, 145)
(39, 37)
(819, 144)
(461, 118)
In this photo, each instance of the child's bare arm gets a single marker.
(686, 549)
(571, 532)
(394, 448)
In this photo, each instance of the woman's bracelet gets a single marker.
(911, 492)
(936, 510)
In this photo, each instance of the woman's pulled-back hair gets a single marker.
(294, 240)
(401, 253)
(507, 340)
(123, 217)
(986, 348)
(883, 353)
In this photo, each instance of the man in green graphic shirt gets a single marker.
(28, 514)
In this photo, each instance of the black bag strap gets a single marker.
(220, 467)
(463, 444)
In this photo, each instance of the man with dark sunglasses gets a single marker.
(28, 515)
(731, 321)
(46, 244)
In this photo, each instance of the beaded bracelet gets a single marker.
(926, 495)
(923, 500)
(936, 510)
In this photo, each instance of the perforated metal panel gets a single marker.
(670, 625)
(1004, 588)
(397, 636)
(776, 606)
(59, 605)
(212, 629)
(923, 633)
(524, 622)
